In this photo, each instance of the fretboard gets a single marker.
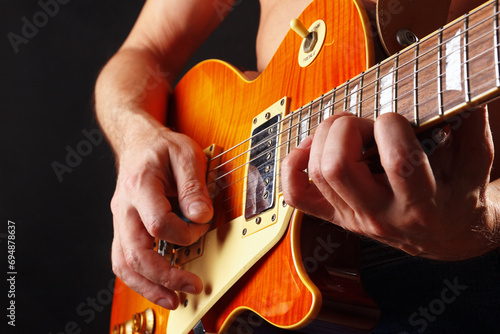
(449, 71)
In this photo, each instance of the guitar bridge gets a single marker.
(180, 255)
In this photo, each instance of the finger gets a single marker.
(155, 293)
(403, 159)
(155, 211)
(137, 247)
(475, 142)
(338, 156)
(189, 168)
(297, 190)
(316, 157)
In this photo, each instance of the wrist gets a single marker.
(140, 132)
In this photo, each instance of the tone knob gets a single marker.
(144, 322)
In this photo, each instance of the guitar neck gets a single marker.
(449, 71)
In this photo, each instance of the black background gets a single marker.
(63, 229)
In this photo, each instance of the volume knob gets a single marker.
(144, 322)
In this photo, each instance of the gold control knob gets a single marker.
(141, 323)
(129, 327)
(125, 328)
(144, 322)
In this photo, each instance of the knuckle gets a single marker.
(334, 171)
(131, 182)
(191, 188)
(132, 260)
(150, 293)
(402, 162)
(315, 173)
(166, 282)
(154, 225)
(369, 226)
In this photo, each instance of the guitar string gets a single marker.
(342, 86)
(340, 101)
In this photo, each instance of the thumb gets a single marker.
(194, 201)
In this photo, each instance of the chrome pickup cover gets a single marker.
(261, 180)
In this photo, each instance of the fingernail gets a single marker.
(189, 289)
(197, 208)
(306, 143)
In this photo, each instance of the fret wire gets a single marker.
(440, 72)
(394, 85)
(415, 86)
(320, 114)
(289, 133)
(340, 101)
(309, 122)
(332, 103)
(495, 42)
(466, 64)
(376, 96)
(299, 126)
(346, 94)
(360, 94)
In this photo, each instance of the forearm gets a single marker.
(132, 90)
(131, 96)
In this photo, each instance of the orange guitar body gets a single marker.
(311, 275)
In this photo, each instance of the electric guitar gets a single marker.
(261, 255)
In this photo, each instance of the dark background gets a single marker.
(63, 229)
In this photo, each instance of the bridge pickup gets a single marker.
(261, 183)
(261, 180)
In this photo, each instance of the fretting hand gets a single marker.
(435, 206)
